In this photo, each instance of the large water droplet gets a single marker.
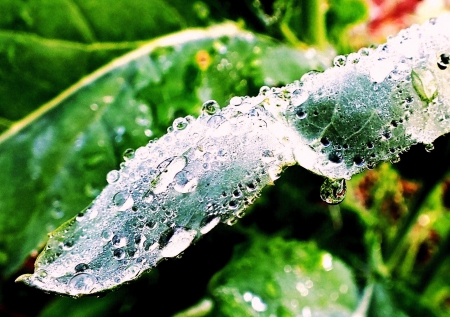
(185, 182)
(112, 176)
(180, 124)
(178, 242)
(210, 107)
(128, 154)
(82, 283)
(333, 191)
(208, 224)
(236, 101)
(123, 201)
(167, 175)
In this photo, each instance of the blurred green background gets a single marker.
(383, 252)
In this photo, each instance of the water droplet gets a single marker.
(178, 242)
(358, 160)
(443, 61)
(429, 147)
(81, 267)
(180, 124)
(336, 157)
(210, 107)
(168, 173)
(387, 134)
(112, 176)
(364, 51)
(325, 141)
(395, 159)
(148, 196)
(233, 205)
(119, 254)
(107, 235)
(208, 223)
(68, 244)
(128, 154)
(232, 221)
(123, 201)
(215, 121)
(300, 113)
(339, 61)
(424, 83)
(118, 241)
(299, 96)
(82, 283)
(131, 272)
(333, 191)
(264, 90)
(236, 101)
(185, 182)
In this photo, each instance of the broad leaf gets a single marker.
(283, 278)
(58, 157)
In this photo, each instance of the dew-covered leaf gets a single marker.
(58, 157)
(204, 171)
(276, 277)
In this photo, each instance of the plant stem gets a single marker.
(313, 15)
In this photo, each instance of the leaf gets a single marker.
(42, 53)
(273, 276)
(206, 171)
(58, 157)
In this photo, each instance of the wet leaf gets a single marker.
(273, 276)
(59, 156)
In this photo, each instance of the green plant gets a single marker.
(150, 75)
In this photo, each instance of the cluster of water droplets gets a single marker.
(370, 107)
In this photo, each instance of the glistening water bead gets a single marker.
(370, 107)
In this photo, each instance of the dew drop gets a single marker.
(264, 90)
(300, 113)
(112, 176)
(208, 223)
(68, 244)
(168, 173)
(128, 154)
(180, 124)
(210, 107)
(429, 147)
(333, 191)
(178, 242)
(236, 101)
(107, 235)
(339, 61)
(444, 60)
(123, 201)
(118, 241)
(82, 283)
(119, 254)
(358, 160)
(81, 267)
(336, 157)
(325, 141)
(184, 182)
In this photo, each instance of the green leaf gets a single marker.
(47, 45)
(272, 276)
(58, 156)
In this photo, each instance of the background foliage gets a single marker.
(388, 242)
